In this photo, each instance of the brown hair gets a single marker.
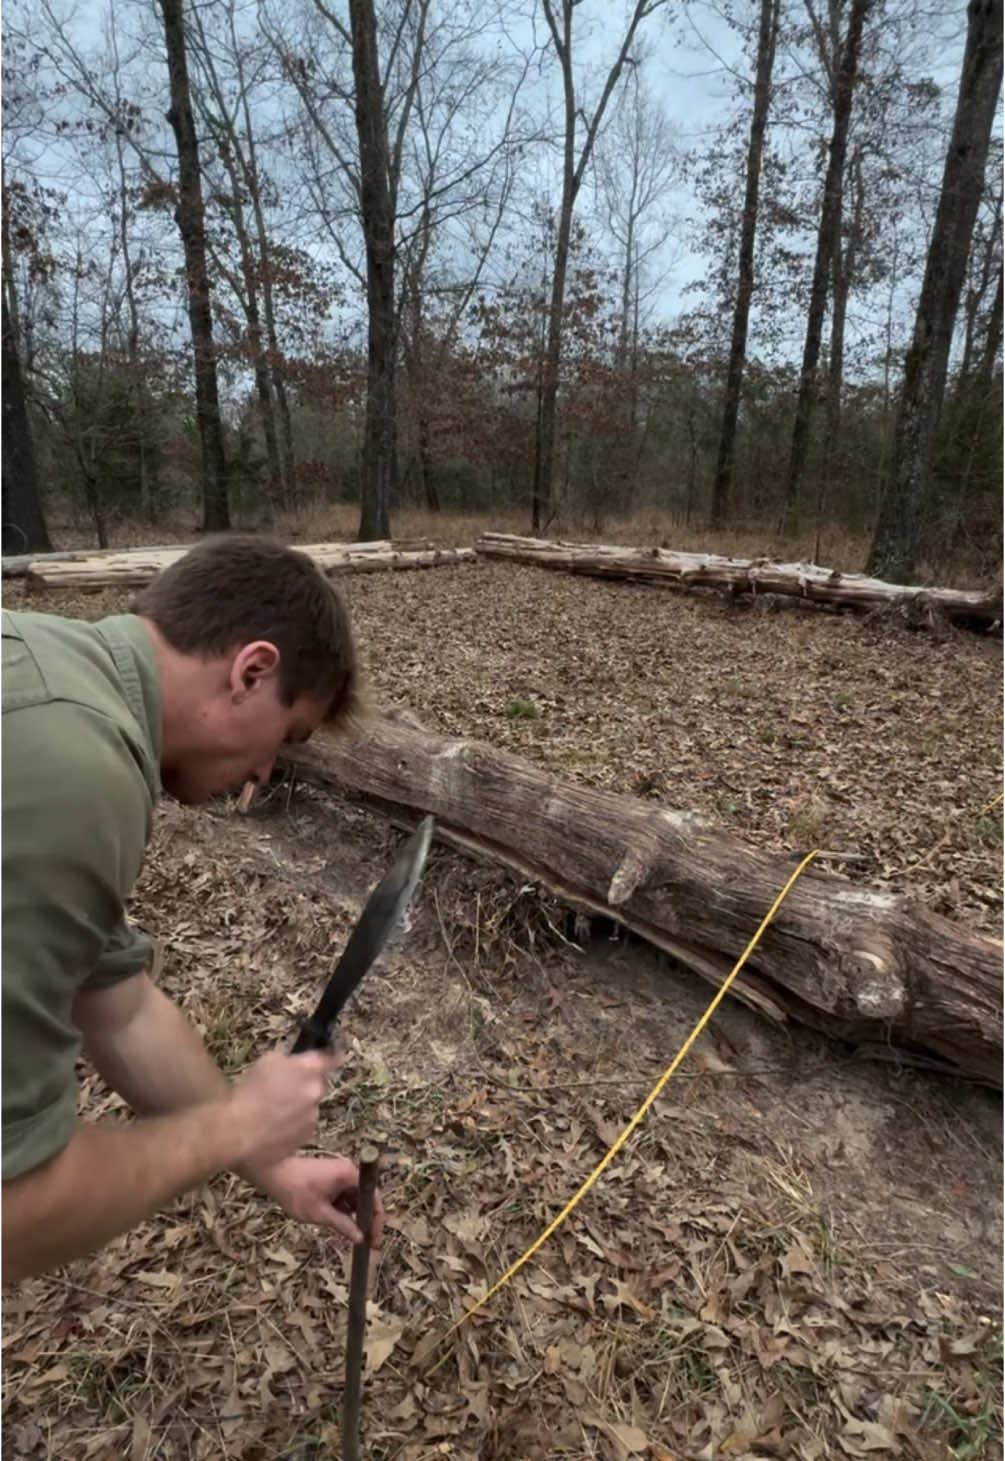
(232, 590)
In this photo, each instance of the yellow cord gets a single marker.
(653, 1094)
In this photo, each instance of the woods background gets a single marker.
(552, 261)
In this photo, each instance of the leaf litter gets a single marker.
(798, 1255)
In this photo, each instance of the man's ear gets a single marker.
(252, 664)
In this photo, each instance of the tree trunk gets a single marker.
(767, 40)
(573, 170)
(842, 270)
(809, 582)
(378, 228)
(430, 496)
(992, 338)
(862, 966)
(898, 532)
(189, 216)
(982, 268)
(274, 359)
(24, 528)
(827, 242)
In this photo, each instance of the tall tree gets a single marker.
(897, 539)
(828, 237)
(766, 43)
(577, 119)
(377, 212)
(190, 217)
(219, 115)
(24, 529)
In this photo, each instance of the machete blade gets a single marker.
(374, 927)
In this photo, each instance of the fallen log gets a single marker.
(132, 568)
(807, 581)
(868, 967)
(17, 565)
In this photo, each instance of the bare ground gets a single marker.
(798, 1254)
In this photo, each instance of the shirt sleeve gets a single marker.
(77, 815)
(127, 951)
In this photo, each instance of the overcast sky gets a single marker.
(693, 59)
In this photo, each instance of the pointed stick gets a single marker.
(352, 1395)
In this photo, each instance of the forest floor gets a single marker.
(797, 1255)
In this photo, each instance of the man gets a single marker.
(238, 647)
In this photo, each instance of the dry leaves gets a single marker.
(795, 1256)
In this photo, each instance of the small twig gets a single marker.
(352, 1395)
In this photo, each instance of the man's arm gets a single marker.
(109, 1178)
(146, 1049)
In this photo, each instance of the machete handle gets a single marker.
(313, 1036)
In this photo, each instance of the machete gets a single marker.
(384, 907)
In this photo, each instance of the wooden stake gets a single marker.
(352, 1395)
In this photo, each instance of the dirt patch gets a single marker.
(797, 1254)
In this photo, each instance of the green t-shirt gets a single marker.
(81, 749)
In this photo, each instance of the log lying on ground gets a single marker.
(18, 565)
(864, 966)
(746, 576)
(133, 568)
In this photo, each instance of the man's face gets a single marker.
(239, 733)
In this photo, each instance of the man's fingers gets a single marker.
(344, 1224)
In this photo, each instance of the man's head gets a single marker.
(254, 648)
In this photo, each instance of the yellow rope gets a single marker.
(653, 1094)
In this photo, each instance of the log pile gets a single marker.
(868, 967)
(132, 568)
(751, 576)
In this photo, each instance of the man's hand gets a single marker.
(322, 1190)
(276, 1102)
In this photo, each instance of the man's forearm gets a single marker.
(146, 1049)
(155, 1059)
(108, 1179)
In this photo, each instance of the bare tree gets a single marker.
(897, 539)
(377, 212)
(219, 115)
(24, 528)
(190, 218)
(766, 43)
(581, 125)
(448, 130)
(636, 162)
(828, 238)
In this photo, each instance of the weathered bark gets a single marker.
(133, 568)
(378, 228)
(766, 43)
(827, 242)
(898, 531)
(807, 581)
(860, 965)
(23, 520)
(189, 215)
